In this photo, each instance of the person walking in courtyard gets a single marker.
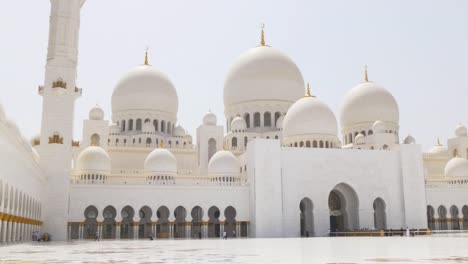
(96, 238)
(225, 235)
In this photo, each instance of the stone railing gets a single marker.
(138, 178)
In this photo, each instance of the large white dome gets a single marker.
(456, 168)
(367, 103)
(161, 161)
(93, 159)
(223, 163)
(309, 116)
(263, 74)
(145, 88)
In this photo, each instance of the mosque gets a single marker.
(278, 168)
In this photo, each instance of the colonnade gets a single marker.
(16, 228)
(191, 230)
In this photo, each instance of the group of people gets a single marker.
(36, 236)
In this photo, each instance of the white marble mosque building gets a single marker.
(279, 168)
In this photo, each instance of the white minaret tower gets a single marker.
(59, 93)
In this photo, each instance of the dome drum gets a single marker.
(134, 122)
(258, 116)
(312, 141)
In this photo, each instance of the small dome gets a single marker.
(456, 168)
(209, 119)
(161, 161)
(96, 113)
(93, 159)
(263, 73)
(114, 129)
(438, 149)
(279, 122)
(148, 127)
(379, 127)
(238, 124)
(309, 116)
(359, 139)
(145, 88)
(409, 140)
(460, 131)
(224, 163)
(368, 102)
(179, 131)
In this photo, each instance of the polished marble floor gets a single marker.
(431, 249)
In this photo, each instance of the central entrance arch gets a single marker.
(343, 204)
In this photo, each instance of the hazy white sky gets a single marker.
(416, 49)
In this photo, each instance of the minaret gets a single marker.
(59, 93)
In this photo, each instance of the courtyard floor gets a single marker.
(430, 249)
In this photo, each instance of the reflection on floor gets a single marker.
(430, 249)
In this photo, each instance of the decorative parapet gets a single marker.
(56, 139)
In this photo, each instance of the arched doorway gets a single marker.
(454, 218)
(465, 217)
(197, 219)
(90, 224)
(230, 222)
(380, 216)
(162, 225)
(307, 218)
(344, 208)
(144, 227)
(126, 229)
(213, 222)
(179, 228)
(442, 211)
(109, 214)
(430, 217)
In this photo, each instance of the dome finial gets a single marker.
(146, 56)
(366, 75)
(455, 153)
(262, 39)
(308, 94)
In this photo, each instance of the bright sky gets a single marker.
(416, 49)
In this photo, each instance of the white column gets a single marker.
(117, 230)
(221, 228)
(2, 230)
(69, 231)
(14, 232)
(238, 233)
(135, 230)
(80, 230)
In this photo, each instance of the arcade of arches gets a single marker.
(142, 223)
(439, 218)
(343, 206)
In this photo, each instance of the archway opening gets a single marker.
(307, 218)
(465, 217)
(90, 224)
(230, 222)
(179, 228)
(144, 227)
(442, 211)
(454, 218)
(344, 208)
(213, 222)
(162, 225)
(126, 229)
(197, 219)
(380, 216)
(430, 217)
(109, 223)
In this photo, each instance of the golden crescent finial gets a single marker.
(262, 38)
(146, 56)
(308, 94)
(366, 75)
